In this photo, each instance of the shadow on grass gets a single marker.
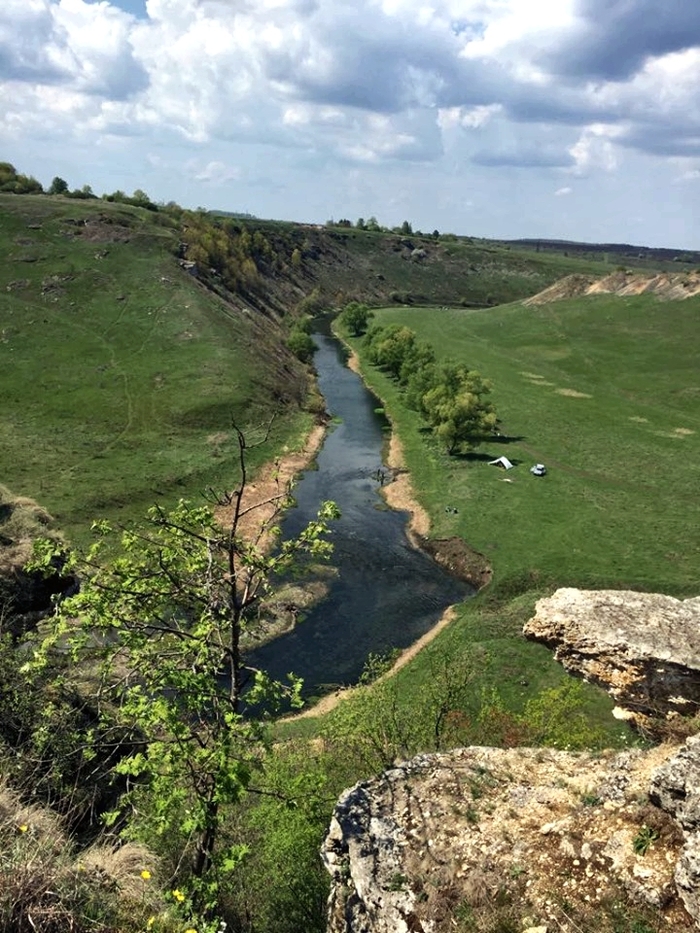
(506, 438)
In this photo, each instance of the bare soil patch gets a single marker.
(573, 393)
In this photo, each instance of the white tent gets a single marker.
(502, 462)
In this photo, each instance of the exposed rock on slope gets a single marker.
(676, 788)
(535, 838)
(644, 648)
(667, 285)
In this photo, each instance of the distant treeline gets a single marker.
(572, 248)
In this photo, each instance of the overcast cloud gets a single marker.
(473, 116)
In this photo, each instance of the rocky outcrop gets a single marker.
(675, 787)
(531, 839)
(644, 648)
(670, 286)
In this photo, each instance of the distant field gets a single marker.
(606, 392)
(120, 375)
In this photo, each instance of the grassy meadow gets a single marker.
(605, 392)
(121, 374)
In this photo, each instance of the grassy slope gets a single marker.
(121, 374)
(616, 509)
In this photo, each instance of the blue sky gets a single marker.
(137, 7)
(577, 119)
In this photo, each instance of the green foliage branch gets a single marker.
(355, 316)
(156, 635)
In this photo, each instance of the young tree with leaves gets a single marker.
(355, 316)
(158, 634)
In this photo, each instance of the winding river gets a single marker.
(385, 593)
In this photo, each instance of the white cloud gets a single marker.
(561, 192)
(459, 85)
(596, 149)
(218, 173)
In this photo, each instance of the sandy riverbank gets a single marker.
(399, 495)
(263, 498)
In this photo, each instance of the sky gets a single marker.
(569, 119)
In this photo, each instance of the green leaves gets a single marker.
(156, 633)
(355, 317)
(449, 396)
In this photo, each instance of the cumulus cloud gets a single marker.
(247, 71)
(217, 173)
(612, 39)
(553, 86)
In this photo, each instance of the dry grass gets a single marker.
(47, 886)
(21, 521)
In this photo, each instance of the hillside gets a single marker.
(133, 337)
(668, 286)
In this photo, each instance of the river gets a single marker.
(385, 593)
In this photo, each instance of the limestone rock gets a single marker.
(675, 787)
(644, 648)
(521, 831)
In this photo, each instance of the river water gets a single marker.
(386, 593)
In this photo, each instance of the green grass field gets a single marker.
(605, 391)
(120, 374)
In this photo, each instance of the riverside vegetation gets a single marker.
(124, 380)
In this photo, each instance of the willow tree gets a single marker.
(156, 636)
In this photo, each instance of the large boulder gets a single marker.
(531, 839)
(644, 648)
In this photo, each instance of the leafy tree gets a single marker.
(301, 344)
(398, 350)
(389, 347)
(81, 194)
(15, 183)
(457, 411)
(58, 186)
(406, 229)
(355, 317)
(158, 635)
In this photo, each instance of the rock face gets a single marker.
(535, 838)
(675, 787)
(644, 648)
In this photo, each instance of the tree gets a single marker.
(355, 317)
(58, 186)
(456, 409)
(301, 344)
(158, 634)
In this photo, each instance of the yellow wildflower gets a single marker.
(145, 874)
(150, 922)
(23, 828)
(190, 930)
(178, 895)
